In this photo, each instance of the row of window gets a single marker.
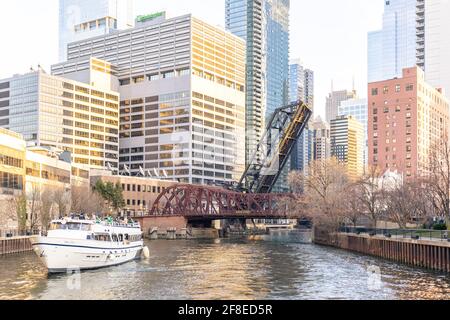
(398, 87)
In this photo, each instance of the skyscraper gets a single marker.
(347, 144)
(393, 47)
(83, 19)
(182, 90)
(358, 109)
(264, 25)
(301, 87)
(433, 42)
(334, 100)
(244, 18)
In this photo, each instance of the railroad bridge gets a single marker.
(251, 198)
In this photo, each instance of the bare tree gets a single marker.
(61, 198)
(354, 207)
(439, 176)
(47, 205)
(86, 201)
(323, 190)
(34, 206)
(368, 190)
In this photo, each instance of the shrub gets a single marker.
(440, 226)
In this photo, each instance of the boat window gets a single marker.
(120, 237)
(86, 227)
(56, 226)
(102, 237)
(114, 237)
(127, 237)
(73, 226)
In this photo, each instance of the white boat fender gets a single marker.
(112, 257)
(146, 253)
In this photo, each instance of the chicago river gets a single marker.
(228, 269)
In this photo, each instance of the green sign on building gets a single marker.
(149, 17)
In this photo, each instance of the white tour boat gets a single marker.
(73, 245)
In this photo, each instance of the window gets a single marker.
(409, 87)
(397, 88)
(385, 90)
(374, 91)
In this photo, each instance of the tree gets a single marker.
(61, 199)
(439, 176)
(354, 207)
(111, 193)
(47, 204)
(34, 206)
(322, 190)
(368, 190)
(86, 201)
(17, 210)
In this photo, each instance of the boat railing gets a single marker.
(122, 225)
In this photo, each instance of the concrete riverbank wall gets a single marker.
(15, 245)
(432, 255)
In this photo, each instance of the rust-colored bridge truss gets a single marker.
(206, 202)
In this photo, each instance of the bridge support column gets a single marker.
(162, 224)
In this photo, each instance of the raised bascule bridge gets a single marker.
(252, 197)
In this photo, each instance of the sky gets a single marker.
(329, 36)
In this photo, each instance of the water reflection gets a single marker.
(228, 269)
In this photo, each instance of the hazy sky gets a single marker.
(329, 36)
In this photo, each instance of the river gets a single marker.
(228, 269)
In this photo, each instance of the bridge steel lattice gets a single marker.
(206, 202)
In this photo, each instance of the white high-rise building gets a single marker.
(182, 89)
(83, 19)
(436, 52)
(393, 47)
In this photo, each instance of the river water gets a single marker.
(228, 269)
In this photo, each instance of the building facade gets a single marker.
(321, 139)
(357, 108)
(51, 111)
(30, 172)
(83, 19)
(245, 19)
(139, 193)
(433, 49)
(407, 116)
(334, 100)
(394, 46)
(347, 144)
(301, 87)
(182, 86)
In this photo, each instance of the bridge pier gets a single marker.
(154, 226)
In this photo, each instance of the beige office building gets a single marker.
(51, 111)
(348, 144)
(182, 87)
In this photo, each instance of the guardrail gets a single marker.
(17, 233)
(416, 234)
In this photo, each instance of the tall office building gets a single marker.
(182, 86)
(394, 46)
(334, 100)
(67, 115)
(433, 42)
(357, 108)
(321, 139)
(407, 117)
(264, 25)
(244, 18)
(301, 87)
(347, 144)
(83, 19)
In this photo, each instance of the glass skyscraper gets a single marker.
(264, 25)
(301, 87)
(84, 19)
(393, 47)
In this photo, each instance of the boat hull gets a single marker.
(69, 256)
